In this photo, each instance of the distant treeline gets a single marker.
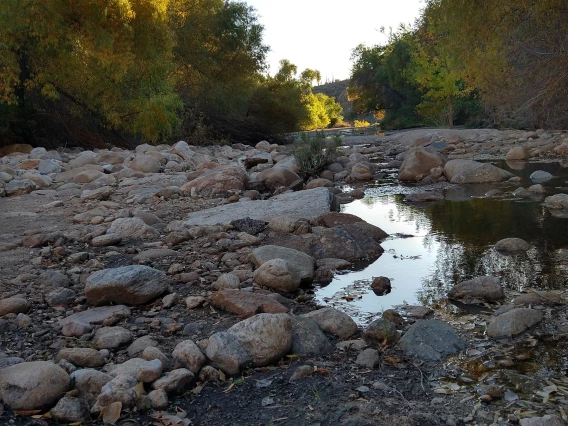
(91, 72)
(493, 63)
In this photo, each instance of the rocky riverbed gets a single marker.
(174, 285)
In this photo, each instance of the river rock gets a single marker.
(217, 182)
(145, 163)
(308, 339)
(112, 337)
(307, 204)
(69, 410)
(151, 353)
(418, 162)
(469, 171)
(319, 183)
(512, 245)
(540, 176)
(368, 358)
(557, 201)
(188, 355)
(119, 389)
(138, 346)
(89, 382)
(543, 298)
(226, 352)
(134, 284)
(513, 322)
(380, 332)
(517, 153)
(14, 305)
(175, 382)
(334, 322)
(430, 340)
(303, 264)
(362, 172)
(351, 242)
(424, 197)
(278, 275)
(132, 228)
(81, 357)
(100, 315)
(277, 176)
(478, 290)
(266, 337)
(150, 371)
(106, 240)
(245, 303)
(19, 187)
(32, 385)
(381, 286)
(548, 420)
(60, 297)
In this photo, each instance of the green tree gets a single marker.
(105, 59)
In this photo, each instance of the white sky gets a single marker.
(320, 34)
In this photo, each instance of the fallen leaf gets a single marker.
(111, 413)
(322, 371)
(139, 389)
(391, 360)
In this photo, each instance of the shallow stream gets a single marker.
(433, 246)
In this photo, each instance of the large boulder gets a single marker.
(430, 340)
(478, 290)
(217, 182)
(517, 153)
(33, 385)
(469, 171)
(266, 337)
(301, 263)
(133, 285)
(277, 176)
(145, 163)
(513, 322)
(278, 275)
(418, 162)
(307, 204)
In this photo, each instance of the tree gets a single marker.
(106, 59)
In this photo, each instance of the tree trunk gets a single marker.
(451, 114)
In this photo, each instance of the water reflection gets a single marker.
(451, 241)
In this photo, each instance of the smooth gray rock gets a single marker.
(540, 176)
(303, 264)
(175, 382)
(89, 382)
(226, 352)
(138, 346)
(307, 204)
(478, 290)
(334, 322)
(513, 322)
(266, 337)
(430, 340)
(103, 314)
(134, 285)
(368, 358)
(32, 385)
(20, 187)
(307, 338)
(81, 357)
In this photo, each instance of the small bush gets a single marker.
(361, 123)
(314, 152)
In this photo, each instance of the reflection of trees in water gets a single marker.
(463, 234)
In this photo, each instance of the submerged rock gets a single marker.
(512, 245)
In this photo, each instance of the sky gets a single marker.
(321, 34)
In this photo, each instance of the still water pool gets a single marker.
(434, 246)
